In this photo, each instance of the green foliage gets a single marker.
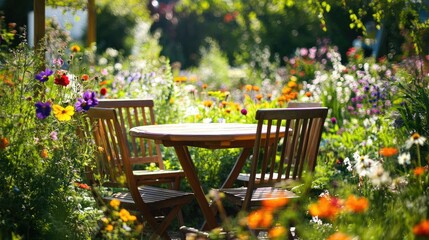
(41, 155)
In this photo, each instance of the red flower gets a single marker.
(62, 79)
(103, 91)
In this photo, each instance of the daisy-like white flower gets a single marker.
(404, 158)
(415, 139)
(365, 166)
(379, 176)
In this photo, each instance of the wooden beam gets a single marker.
(39, 22)
(91, 23)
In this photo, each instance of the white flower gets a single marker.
(365, 166)
(415, 139)
(348, 164)
(404, 158)
(379, 176)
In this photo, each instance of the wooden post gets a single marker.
(91, 22)
(39, 22)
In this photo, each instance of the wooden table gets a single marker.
(204, 135)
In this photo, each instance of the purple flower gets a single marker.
(244, 111)
(43, 110)
(44, 75)
(88, 100)
(333, 120)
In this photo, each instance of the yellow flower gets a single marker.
(75, 48)
(109, 228)
(115, 203)
(63, 114)
(124, 215)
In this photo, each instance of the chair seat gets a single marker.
(285, 182)
(154, 197)
(237, 195)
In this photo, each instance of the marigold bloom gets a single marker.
(4, 142)
(275, 200)
(308, 94)
(124, 215)
(277, 232)
(258, 97)
(422, 229)
(248, 87)
(228, 110)
(208, 103)
(180, 79)
(44, 153)
(356, 204)
(255, 88)
(204, 86)
(292, 84)
(261, 218)
(388, 151)
(75, 48)
(419, 171)
(339, 236)
(326, 207)
(109, 228)
(84, 77)
(63, 114)
(114, 203)
(286, 90)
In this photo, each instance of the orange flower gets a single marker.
(84, 77)
(356, 204)
(248, 87)
(114, 203)
(4, 142)
(44, 153)
(292, 84)
(275, 200)
(228, 110)
(204, 86)
(277, 232)
(258, 97)
(269, 96)
(422, 229)
(75, 48)
(388, 151)
(124, 215)
(260, 219)
(419, 171)
(207, 103)
(339, 236)
(286, 90)
(326, 207)
(308, 94)
(255, 88)
(109, 228)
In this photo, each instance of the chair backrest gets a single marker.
(113, 158)
(303, 104)
(289, 145)
(112, 155)
(132, 113)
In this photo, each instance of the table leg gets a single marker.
(191, 175)
(237, 168)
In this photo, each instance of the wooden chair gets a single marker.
(138, 112)
(280, 158)
(244, 177)
(157, 206)
(303, 104)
